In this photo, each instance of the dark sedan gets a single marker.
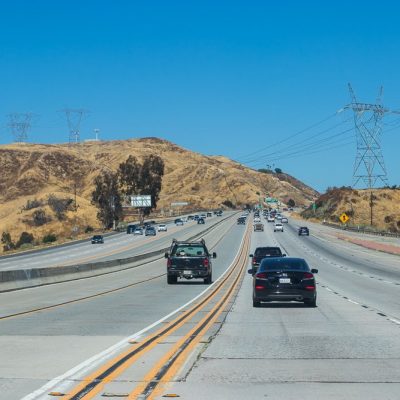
(201, 221)
(303, 230)
(97, 239)
(150, 231)
(284, 279)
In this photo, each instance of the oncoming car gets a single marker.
(97, 239)
(284, 279)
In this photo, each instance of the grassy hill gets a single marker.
(356, 204)
(31, 173)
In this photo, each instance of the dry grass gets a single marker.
(34, 171)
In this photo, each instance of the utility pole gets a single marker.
(20, 124)
(74, 118)
(369, 165)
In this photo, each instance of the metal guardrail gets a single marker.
(361, 229)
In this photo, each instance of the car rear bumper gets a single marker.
(189, 274)
(284, 295)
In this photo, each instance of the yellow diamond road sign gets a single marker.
(344, 218)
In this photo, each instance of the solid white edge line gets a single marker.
(93, 362)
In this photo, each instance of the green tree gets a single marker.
(142, 179)
(128, 176)
(278, 170)
(291, 203)
(107, 198)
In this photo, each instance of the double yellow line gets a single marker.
(171, 362)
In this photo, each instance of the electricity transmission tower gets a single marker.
(369, 165)
(20, 124)
(74, 119)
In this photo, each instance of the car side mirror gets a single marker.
(314, 271)
(250, 271)
(251, 255)
(283, 255)
(214, 255)
(166, 255)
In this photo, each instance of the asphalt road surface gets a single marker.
(119, 245)
(346, 348)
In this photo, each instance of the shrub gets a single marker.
(40, 218)
(89, 229)
(388, 219)
(291, 203)
(25, 238)
(49, 238)
(7, 242)
(30, 204)
(59, 206)
(228, 204)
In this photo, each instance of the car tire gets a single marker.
(172, 279)
(256, 303)
(311, 303)
(208, 280)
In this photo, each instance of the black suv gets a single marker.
(262, 252)
(189, 260)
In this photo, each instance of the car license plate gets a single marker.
(284, 280)
(186, 272)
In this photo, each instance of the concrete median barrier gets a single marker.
(32, 277)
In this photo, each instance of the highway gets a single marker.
(130, 335)
(119, 245)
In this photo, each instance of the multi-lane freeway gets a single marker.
(131, 335)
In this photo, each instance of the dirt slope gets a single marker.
(33, 172)
(356, 204)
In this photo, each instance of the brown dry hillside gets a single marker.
(355, 203)
(30, 173)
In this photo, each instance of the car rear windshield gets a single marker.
(97, 237)
(265, 251)
(189, 251)
(284, 264)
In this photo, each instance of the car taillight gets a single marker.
(169, 263)
(206, 263)
(259, 287)
(310, 288)
(254, 261)
(308, 275)
(261, 275)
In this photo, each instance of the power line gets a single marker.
(289, 137)
(304, 143)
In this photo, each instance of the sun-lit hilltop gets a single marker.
(30, 173)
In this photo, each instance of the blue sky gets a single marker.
(218, 77)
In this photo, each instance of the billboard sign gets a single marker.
(141, 201)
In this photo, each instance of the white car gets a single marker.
(270, 218)
(284, 220)
(162, 228)
(257, 219)
(278, 227)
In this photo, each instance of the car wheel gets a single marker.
(208, 280)
(311, 303)
(172, 279)
(256, 303)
